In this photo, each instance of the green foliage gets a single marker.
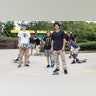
(84, 31)
(8, 26)
(91, 45)
(88, 45)
(42, 48)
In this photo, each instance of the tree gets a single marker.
(8, 26)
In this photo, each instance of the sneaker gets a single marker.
(48, 66)
(65, 72)
(56, 70)
(19, 65)
(69, 56)
(28, 61)
(73, 62)
(26, 65)
(77, 60)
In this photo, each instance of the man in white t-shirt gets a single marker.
(23, 44)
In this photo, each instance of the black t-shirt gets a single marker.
(58, 37)
(47, 40)
(32, 41)
(37, 41)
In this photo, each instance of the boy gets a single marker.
(74, 50)
(47, 46)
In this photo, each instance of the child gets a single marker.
(47, 46)
(74, 50)
(68, 37)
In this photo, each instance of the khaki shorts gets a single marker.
(74, 50)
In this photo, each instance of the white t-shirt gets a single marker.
(24, 37)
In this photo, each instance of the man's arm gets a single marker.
(64, 43)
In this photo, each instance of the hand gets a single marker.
(63, 49)
(18, 45)
(51, 49)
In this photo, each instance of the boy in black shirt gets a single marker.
(58, 47)
(32, 44)
(37, 42)
(47, 46)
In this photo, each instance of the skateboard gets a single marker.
(55, 73)
(52, 63)
(82, 61)
(14, 60)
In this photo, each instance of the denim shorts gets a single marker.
(47, 53)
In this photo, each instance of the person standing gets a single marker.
(47, 47)
(58, 47)
(23, 44)
(37, 42)
(32, 44)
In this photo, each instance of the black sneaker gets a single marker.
(56, 70)
(28, 61)
(48, 66)
(26, 65)
(73, 62)
(19, 65)
(77, 60)
(65, 72)
(69, 56)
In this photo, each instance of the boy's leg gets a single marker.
(76, 52)
(21, 57)
(26, 56)
(37, 50)
(74, 58)
(73, 55)
(47, 54)
(48, 65)
(31, 51)
(17, 59)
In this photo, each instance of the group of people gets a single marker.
(54, 45)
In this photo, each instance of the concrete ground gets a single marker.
(37, 80)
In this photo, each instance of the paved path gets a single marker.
(37, 80)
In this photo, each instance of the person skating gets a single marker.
(68, 37)
(74, 50)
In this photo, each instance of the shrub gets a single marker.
(91, 45)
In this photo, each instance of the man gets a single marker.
(58, 47)
(23, 43)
